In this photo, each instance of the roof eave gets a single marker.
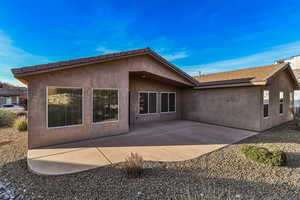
(256, 83)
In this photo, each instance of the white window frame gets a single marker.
(108, 121)
(148, 92)
(281, 102)
(266, 103)
(168, 102)
(82, 102)
(291, 100)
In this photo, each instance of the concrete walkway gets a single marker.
(161, 141)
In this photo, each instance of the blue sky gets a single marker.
(207, 36)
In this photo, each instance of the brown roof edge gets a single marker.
(44, 68)
(288, 67)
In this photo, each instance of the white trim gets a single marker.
(263, 95)
(82, 106)
(168, 102)
(107, 121)
(148, 92)
(281, 103)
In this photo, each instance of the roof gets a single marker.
(7, 92)
(250, 76)
(44, 68)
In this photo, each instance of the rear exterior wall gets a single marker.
(237, 107)
(137, 85)
(114, 74)
(282, 82)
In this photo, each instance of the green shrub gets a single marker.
(6, 118)
(134, 165)
(263, 155)
(21, 123)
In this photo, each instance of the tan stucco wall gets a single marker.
(235, 107)
(113, 74)
(282, 82)
(136, 85)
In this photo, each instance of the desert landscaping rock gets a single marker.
(218, 175)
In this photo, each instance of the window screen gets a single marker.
(281, 96)
(266, 103)
(148, 102)
(168, 102)
(105, 105)
(64, 106)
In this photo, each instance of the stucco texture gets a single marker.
(114, 74)
(240, 107)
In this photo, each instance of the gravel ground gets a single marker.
(223, 174)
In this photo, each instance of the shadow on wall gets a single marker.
(163, 181)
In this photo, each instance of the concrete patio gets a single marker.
(160, 141)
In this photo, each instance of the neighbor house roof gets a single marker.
(7, 92)
(243, 77)
(44, 68)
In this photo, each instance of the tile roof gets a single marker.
(255, 74)
(44, 68)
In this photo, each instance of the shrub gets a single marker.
(21, 123)
(263, 155)
(134, 165)
(6, 118)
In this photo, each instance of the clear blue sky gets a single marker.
(208, 36)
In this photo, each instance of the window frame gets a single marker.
(148, 92)
(168, 102)
(266, 104)
(108, 121)
(281, 103)
(82, 105)
(291, 100)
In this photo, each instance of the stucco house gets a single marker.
(108, 94)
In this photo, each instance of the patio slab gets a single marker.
(168, 141)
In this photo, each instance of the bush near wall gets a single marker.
(6, 118)
(263, 155)
(21, 123)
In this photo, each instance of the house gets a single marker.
(10, 94)
(109, 94)
(294, 61)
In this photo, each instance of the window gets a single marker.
(147, 102)
(281, 95)
(266, 103)
(291, 100)
(105, 105)
(168, 102)
(64, 106)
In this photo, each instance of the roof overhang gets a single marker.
(23, 73)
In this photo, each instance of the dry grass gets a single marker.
(21, 123)
(134, 165)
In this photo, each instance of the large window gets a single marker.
(168, 102)
(266, 103)
(105, 105)
(281, 96)
(147, 102)
(64, 106)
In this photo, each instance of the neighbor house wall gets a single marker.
(280, 82)
(136, 85)
(237, 107)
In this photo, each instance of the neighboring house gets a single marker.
(294, 61)
(11, 95)
(109, 94)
